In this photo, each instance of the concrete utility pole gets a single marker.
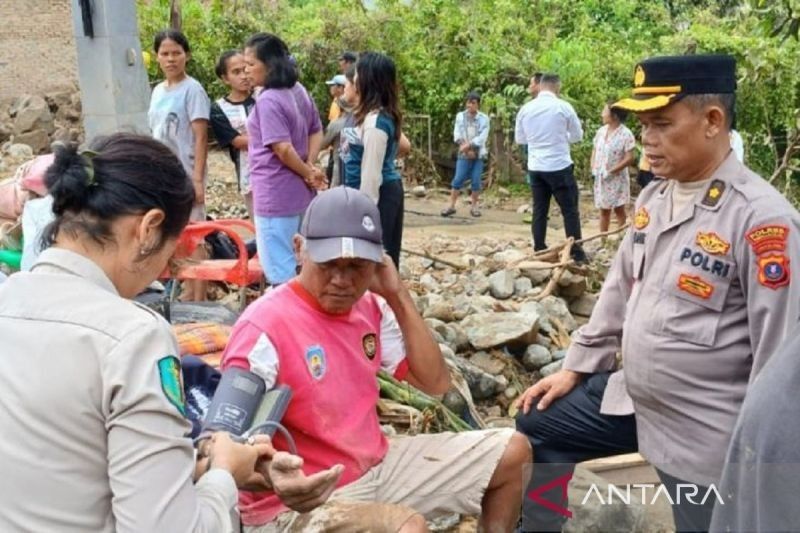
(115, 94)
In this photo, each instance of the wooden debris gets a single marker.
(427, 255)
(551, 285)
(560, 336)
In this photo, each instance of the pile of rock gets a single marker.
(490, 318)
(38, 120)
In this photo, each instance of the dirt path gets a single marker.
(422, 219)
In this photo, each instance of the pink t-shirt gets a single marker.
(330, 363)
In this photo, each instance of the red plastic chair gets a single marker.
(241, 271)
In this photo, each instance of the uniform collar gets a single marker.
(719, 188)
(74, 263)
(727, 174)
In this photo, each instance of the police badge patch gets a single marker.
(315, 359)
(641, 219)
(712, 243)
(169, 372)
(773, 271)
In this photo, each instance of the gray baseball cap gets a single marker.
(342, 223)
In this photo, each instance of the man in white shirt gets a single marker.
(548, 125)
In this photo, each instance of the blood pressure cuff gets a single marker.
(200, 382)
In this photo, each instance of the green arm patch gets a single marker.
(169, 371)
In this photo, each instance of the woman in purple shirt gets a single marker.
(285, 134)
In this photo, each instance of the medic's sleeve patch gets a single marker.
(773, 270)
(696, 286)
(768, 238)
(169, 372)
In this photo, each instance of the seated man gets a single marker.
(326, 334)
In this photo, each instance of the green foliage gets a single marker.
(444, 48)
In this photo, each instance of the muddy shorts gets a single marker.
(431, 475)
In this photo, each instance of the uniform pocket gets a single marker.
(692, 305)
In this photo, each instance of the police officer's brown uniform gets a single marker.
(90, 411)
(696, 301)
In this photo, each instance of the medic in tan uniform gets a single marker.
(91, 400)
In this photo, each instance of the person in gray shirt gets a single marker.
(761, 476)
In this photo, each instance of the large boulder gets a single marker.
(522, 286)
(536, 271)
(510, 255)
(482, 385)
(535, 357)
(6, 130)
(501, 284)
(551, 368)
(38, 140)
(20, 152)
(571, 286)
(584, 305)
(555, 307)
(487, 330)
(488, 363)
(476, 283)
(32, 113)
(435, 306)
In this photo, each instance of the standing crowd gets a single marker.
(696, 321)
(272, 129)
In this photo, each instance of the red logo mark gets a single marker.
(536, 495)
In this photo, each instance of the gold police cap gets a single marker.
(661, 81)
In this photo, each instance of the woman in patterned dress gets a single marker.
(614, 145)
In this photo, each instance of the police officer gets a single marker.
(698, 297)
(92, 407)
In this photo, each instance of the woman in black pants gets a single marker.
(370, 143)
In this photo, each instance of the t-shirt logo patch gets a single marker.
(370, 344)
(368, 224)
(315, 359)
(169, 372)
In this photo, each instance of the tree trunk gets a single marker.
(175, 21)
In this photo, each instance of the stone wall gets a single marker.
(38, 50)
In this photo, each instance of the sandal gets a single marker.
(448, 212)
(475, 212)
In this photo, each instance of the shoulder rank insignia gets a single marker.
(712, 243)
(773, 270)
(641, 219)
(696, 286)
(169, 372)
(714, 193)
(768, 238)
